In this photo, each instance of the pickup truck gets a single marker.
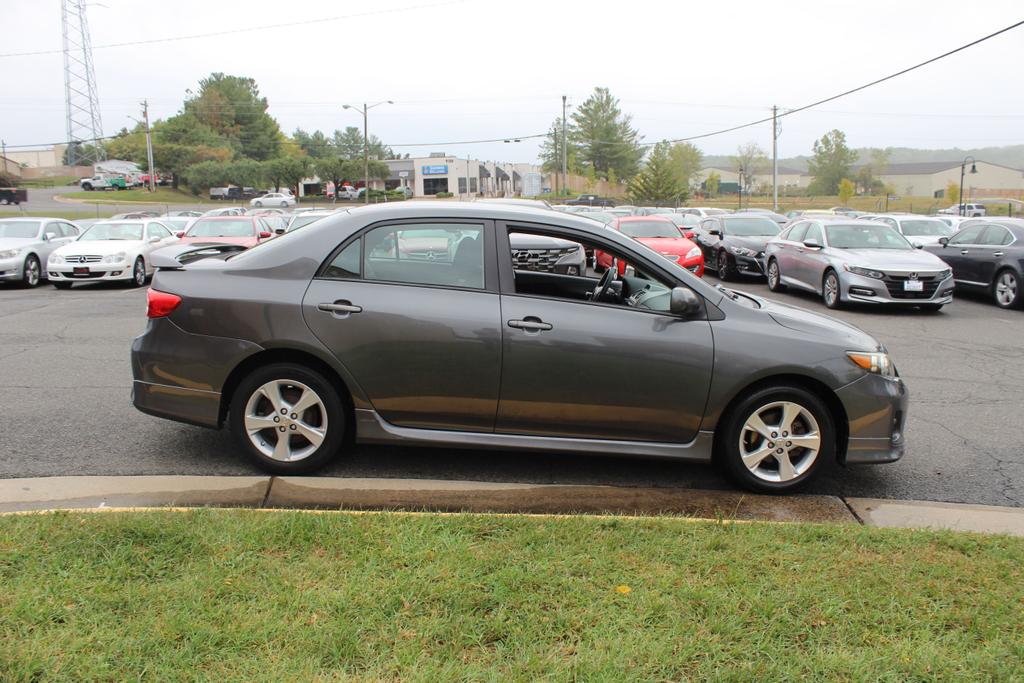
(589, 200)
(103, 181)
(12, 195)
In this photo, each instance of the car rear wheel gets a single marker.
(284, 204)
(830, 290)
(31, 273)
(725, 270)
(287, 419)
(1006, 289)
(775, 277)
(777, 439)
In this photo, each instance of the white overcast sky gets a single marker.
(475, 69)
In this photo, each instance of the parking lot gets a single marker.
(65, 408)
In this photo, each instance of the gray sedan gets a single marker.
(341, 332)
(847, 260)
(26, 244)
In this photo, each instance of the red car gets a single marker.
(245, 230)
(661, 235)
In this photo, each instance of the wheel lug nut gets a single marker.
(789, 444)
(284, 411)
(281, 428)
(775, 435)
(277, 419)
(292, 426)
(778, 451)
(785, 433)
(294, 416)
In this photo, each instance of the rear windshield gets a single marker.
(648, 229)
(842, 236)
(207, 228)
(25, 229)
(303, 221)
(929, 228)
(750, 226)
(112, 231)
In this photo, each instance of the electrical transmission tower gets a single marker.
(81, 100)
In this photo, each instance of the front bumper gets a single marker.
(96, 271)
(876, 410)
(749, 265)
(858, 288)
(11, 268)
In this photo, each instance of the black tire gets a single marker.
(1006, 289)
(87, 187)
(259, 205)
(831, 301)
(724, 269)
(728, 446)
(138, 267)
(774, 276)
(289, 372)
(62, 285)
(31, 272)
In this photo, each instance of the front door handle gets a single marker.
(530, 324)
(998, 254)
(340, 308)
(964, 252)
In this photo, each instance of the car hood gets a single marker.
(667, 245)
(757, 243)
(824, 326)
(891, 259)
(16, 242)
(522, 241)
(99, 247)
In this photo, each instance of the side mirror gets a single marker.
(689, 234)
(943, 241)
(683, 302)
(716, 233)
(180, 234)
(812, 244)
(279, 231)
(46, 236)
(264, 235)
(154, 239)
(917, 245)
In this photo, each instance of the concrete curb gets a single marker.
(18, 495)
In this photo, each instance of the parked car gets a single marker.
(227, 211)
(604, 217)
(13, 195)
(734, 245)
(110, 250)
(590, 200)
(247, 231)
(546, 254)
(954, 222)
(26, 245)
(103, 181)
(653, 210)
(319, 340)
(919, 230)
(849, 260)
(273, 199)
(686, 222)
(134, 214)
(987, 256)
(405, 190)
(968, 210)
(768, 213)
(703, 211)
(662, 236)
(188, 214)
(300, 220)
(348, 192)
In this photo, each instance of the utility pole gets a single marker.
(775, 159)
(366, 145)
(3, 145)
(149, 144)
(565, 161)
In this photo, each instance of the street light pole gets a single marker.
(366, 145)
(565, 160)
(963, 167)
(149, 145)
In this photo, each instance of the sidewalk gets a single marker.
(17, 495)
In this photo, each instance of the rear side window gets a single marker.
(345, 265)
(439, 254)
(996, 236)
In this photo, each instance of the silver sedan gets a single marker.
(26, 244)
(846, 260)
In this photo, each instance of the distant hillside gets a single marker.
(1010, 155)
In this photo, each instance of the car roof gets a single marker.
(228, 218)
(640, 219)
(25, 219)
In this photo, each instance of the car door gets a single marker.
(578, 368)
(990, 251)
(961, 253)
(163, 236)
(707, 242)
(811, 262)
(419, 330)
(787, 256)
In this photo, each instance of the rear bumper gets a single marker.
(876, 410)
(193, 406)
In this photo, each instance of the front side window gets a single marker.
(798, 232)
(968, 235)
(69, 230)
(157, 230)
(447, 255)
(813, 233)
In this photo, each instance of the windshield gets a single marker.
(657, 210)
(922, 227)
(750, 226)
(231, 228)
(714, 212)
(684, 220)
(23, 229)
(865, 237)
(648, 229)
(113, 231)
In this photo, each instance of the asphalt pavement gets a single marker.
(65, 380)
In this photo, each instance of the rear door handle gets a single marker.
(998, 254)
(530, 324)
(964, 252)
(340, 308)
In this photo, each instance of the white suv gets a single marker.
(970, 210)
(273, 199)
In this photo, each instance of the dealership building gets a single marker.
(430, 175)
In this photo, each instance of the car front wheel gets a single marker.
(775, 277)
(258, 205)
(31, 272)
(287, 419)
(139, 272)
(830, 292)
(725, 271)
(777, 439)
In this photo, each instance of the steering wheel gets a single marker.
(606, 282)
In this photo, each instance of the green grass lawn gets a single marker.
(290, 596)
(161, 195)
(55, 181)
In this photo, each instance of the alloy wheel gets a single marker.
(831, 290)
(286, 420)
(139, 273)
(779, 441)
(773, 276)
(31, 272)
(1006, 289)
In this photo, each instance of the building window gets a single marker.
(434, 185)
(472, 185)
(462, 186)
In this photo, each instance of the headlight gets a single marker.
(56, 258)
(866, 272)
(9, 253)
(674, 258)
(876, 363)
(743, 251)
(944, 274)
(114, 258)
(693, 253)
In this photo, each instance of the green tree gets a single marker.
(712, 182)
(752, 160)
(953, 192)
(315, 144)
(604, 136)
(206, 174)
(286, 171)
(831, 163)
(231, 107)
(657, 181)
(686, 161)
(348, 144)
(551, 150)
(846, 190)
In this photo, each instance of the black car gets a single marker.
(987, 255)
(734, 244)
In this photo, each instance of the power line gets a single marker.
(249, 29)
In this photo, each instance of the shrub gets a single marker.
(444, 195)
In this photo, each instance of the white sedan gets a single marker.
(273, 199)
(110, 250)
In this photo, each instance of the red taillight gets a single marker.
(160, 304)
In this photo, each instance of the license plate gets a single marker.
(913, 286)
(81, 271)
